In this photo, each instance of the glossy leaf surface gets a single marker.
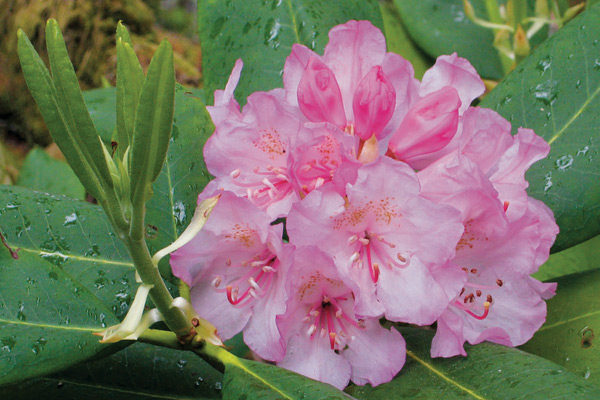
(489, 372)
(261, 33)
(63, 275)
(46, 174)
(139, 372)
(570, 335)
(556, 92)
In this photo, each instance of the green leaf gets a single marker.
(130, 79)
(46, 174)
(567, 337)
(399, 42)
(441, 27)
(101, 104)
(582, 257)
(245, 379)
(72, 277)
(71, 102)
(183, 175)
(489, 372)
(139, 372)
(556, 92)
(44, 92)
(262, 33)
(153, 123)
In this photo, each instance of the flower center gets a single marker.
(371, 250)
(252, 283)
(327, 318)
(267, 186)
(471, 296)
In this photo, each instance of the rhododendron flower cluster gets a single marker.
(357, 193)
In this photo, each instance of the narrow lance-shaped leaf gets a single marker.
(130, 79)
(44, 92)
(556, 92)
(73, 106)
(153, 124)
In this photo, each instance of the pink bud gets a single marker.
(429, 125)
(373, 104)
(319, 95)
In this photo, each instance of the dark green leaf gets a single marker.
(245, 379)
(570, 335)
(441, 27)
(46, 174)
(101, 104)
(489, 372)
(45, 94)
(72, 277)
(139, 372)
(555, 91)
(578, 258)
(398, 40)
(71, 104)
(183, 176)
(153, 123)
(262, 32)
(130, 79)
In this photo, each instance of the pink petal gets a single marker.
(429, 125)
(448, 340)
(376, 354)
(373, 104)
(314, 359)
(455, 72)
(225, 103)
(319, 95)
(294, 67)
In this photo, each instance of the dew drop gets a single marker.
(564, 162)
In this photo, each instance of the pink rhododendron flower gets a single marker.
(326, 339)
(332, 158)
(236, 270)
(499, 302)
(384, 238)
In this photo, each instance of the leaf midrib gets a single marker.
(442, 375)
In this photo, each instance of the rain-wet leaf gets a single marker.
(46, 174)
(398, 40)
(63, 275)
(570, 336)
(441, 27)
(261, 33)
(489, 372)
(583, 257)
(101, 104)
(139, 372)
(556, 92)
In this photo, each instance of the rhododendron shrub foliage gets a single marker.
(357, 193)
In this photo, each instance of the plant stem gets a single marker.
(207, 351)
(493, 12)
(162, 299)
